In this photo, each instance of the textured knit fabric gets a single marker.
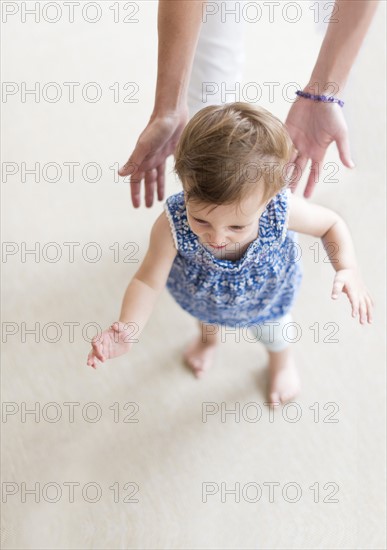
(258, 287)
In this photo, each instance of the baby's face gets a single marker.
(227, 227)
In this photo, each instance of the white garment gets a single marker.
(219, 60)
(277, 335)
(220, 55)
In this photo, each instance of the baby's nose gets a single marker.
(217, 239)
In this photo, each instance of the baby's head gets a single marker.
(234, 156)
(228, 151)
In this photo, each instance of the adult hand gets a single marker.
(147, 161)
(313, 125)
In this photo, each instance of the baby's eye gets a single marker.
(199, 221)
(237, 227)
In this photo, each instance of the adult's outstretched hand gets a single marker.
(313, 125)
(147, 162)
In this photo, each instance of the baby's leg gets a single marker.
(199, 354)
(284, 381)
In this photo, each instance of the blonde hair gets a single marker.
(225, 151)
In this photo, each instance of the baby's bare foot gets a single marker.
(200, 353)
(284, 381)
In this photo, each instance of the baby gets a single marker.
(224, 246)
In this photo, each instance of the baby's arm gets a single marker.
(140, 296)
(319, 221)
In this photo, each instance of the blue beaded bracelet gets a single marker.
(323, 98)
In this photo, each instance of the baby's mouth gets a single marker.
(217, 247)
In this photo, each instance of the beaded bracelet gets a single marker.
(323, 98)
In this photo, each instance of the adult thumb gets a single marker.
(344, 151)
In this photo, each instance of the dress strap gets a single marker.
(171, 223)
(274, 226)
(176, 213)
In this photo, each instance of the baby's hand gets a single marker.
(350, 282)
(113, 342)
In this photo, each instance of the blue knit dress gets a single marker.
(260, 286)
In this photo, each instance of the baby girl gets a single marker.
(224, 246)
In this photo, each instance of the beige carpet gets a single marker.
(121, 457)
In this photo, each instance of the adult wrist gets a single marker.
(171, 98)
(320, 98)
(167, 109)
(326, 86)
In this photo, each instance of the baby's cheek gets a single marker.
(245, 237)
(194, 229)
(239, 239)
(198, 232)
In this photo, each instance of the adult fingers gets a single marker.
(362, 311)
(134, 162)
(274, 399)
(342, 144)
(135, 187)
(150, 181)
(369, 297)
(299, 167)
(294, 156)
(369, 304)
(313, 178)
(161, 181)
